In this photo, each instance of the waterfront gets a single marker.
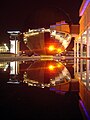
(34, 89)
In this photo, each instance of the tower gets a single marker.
(14, 43)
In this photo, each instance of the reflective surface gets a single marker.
(40, 73)
(82, 72)
(46, 74)
(39, 89)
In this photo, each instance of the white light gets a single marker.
(6, 46)
(13, 67)
(10, 32)
(65, 44)
(12, 48)
(53, 33)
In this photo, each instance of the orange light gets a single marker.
(59, 65)
(51, 48)
(51, 67)
(59, 50)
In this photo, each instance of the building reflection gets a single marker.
(50, 74)
(82, 73)
(14, 71)
(44, 73)
(4, 66)
(41, 73)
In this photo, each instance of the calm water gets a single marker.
(39, 90)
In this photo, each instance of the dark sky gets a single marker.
(24, 14)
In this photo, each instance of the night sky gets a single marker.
(24, 14)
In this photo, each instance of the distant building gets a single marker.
(4, 48)
(14, 42)
(60, 26)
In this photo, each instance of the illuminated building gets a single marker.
(4, 66)
(35, 40)
(61, 32)
(82, 41)
(48, 41)
(82, 50)
(14, 73)
(4, 48)
(61, 26)
(14, 43)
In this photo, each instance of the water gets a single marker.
(39, 90)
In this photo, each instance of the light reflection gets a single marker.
(47, 74)
(14, 71)
(51, 48)
(38, 74)
(83, 72)
(51, 67)
(4, 66)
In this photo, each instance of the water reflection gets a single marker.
(51, 74)
(3, 66)
(82, 72)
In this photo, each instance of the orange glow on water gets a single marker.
(58, 65)
(51, 67)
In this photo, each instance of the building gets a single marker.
(82, 41)
(50, 41)
(61, 26)
(82, 50)
(4, 48)
(71, 30)
(14, 42)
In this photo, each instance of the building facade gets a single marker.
(82, 41)
(14, 42)
(48, 41)
(82, 53)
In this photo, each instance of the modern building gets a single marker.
(82, 53)
(36, 39)
(61, 26)
(82, 41)
(69, 29)
(50, 41)
(4, 48)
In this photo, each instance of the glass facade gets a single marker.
(82, 42)
(82, 53)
